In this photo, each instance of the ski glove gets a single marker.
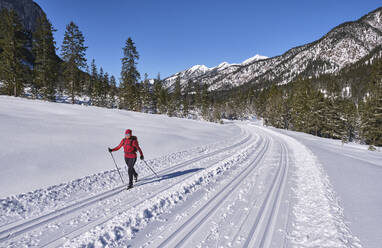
(110, 150)
(142, 158)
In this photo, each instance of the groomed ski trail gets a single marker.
(267, 190)
(260, 220)
(12, 233)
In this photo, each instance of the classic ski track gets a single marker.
(31, 224)
(269, 209)
(215, 201)
(103, 219)
(16, 223)
(273, 216)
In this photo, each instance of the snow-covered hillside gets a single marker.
(234, 185)
(46, 143)
(342, 46)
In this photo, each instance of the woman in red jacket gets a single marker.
(130, 146)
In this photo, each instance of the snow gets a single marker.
(257, 57)
(234, 185)
(51, 143)
(201, 68)
(355, 174)
(342, 46)
(222, 66)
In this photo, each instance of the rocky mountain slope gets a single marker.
(201, 71)
(342, 46)
(27, 10)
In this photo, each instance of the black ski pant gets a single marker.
(130, 162)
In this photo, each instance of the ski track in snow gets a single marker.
(41, 201)
(265, 190)
(13, 228)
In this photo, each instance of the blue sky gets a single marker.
(171, 36)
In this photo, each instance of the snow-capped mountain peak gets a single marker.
(257, 57)
(223, 65)
(202, 68)
(343, 45)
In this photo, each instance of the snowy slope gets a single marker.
(250, 187)
(49, 143)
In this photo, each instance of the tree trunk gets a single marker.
(72, 92)
(15, 88)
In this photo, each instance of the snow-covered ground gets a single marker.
(233, 185)
(355, 174)
(45, 143)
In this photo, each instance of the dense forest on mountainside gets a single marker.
(346, 105)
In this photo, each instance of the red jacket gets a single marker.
(130, 147)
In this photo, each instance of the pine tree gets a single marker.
(73, 54)
(46, 64)
(163, 101)
(217, 117)
(316, 115)
(12, 41)
(259, 102)
(250, 102)
(371, 119)
(129, 76)
(105, 83)
(349, 110)
(113, 92)
(191, 92)
(205, 104)
(177, 95)
(157, 88)
(334, 124)
(171, 107)
(186, 101)
(146, 97)
(98, 88)
(138, 90)
(286, 115)
(198, 95)
(273, 109)
(92, 81)
(300, 110)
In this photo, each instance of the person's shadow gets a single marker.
(169, 176)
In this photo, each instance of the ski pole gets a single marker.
(151, 169)
(117, 167)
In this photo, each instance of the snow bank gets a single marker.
(355, 175)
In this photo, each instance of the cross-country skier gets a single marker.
(130, 146)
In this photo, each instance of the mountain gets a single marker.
(342, 46)
(27, 10)
(198, 71)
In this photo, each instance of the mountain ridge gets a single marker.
(344, 44)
